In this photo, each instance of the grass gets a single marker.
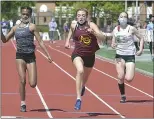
(147, 66)
(144, 65)
(43, 28)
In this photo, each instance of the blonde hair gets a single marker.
(82, 9)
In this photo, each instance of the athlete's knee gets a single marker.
(120, 78)
(33, 85)
(120, 81)
(129, 78)
(80, 71)
(23, 81)
(121, 75)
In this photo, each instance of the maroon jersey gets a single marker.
(85, 43)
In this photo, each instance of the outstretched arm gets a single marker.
(69, 35)
(113, 43)
(8, 36)
(95, 30)
(71, 30)
(139, 36)
(40, 41)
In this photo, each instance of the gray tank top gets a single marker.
(24, 40)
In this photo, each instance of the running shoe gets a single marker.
(123, 99)
(23, 108)
(77, 104)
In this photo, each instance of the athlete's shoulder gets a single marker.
(14, 27)
(90, 22)
(132, 28)
(73, 24)
(32, 26)
(116, 28)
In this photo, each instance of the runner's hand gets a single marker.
(138, 53)
(113, 45)
(67, 45)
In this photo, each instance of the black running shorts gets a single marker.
(27, 57)
(127, 58)
(88, 60)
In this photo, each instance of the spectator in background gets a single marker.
(52, 29)
(11, 24)
(131, 22)
(147, 21)
(66, 29)
(4, 26)
(108, 29)
(150, 35)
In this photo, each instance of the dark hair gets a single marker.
(82, 9)
(150, 16)
(26, 7)
(131, 21)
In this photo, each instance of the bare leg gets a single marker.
(78, 62)
(130, 71)
(21, 68)
(32, 74)
(87, 72)
(120, 67)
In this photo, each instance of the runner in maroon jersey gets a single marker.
(85, 35)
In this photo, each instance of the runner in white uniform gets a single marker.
(123, 42)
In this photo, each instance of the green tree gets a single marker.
(9, 9)
(109, 9)
(61, 12)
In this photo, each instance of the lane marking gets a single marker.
(8, 117)
(86, 87)
(107, 74)
(140, 71)
(66, 94)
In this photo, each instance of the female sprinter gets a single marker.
(25, 55)
(83, 57)
(123, 41)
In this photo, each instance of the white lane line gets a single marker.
(106, 74)
(142, 72)
(149, 75)
(40, 95)
(86, 87)
(10, 117)
(44, 103)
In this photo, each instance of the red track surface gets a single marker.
(58, 89)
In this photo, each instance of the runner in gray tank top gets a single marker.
(24, 39)
(25, 55)
(123, 42)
